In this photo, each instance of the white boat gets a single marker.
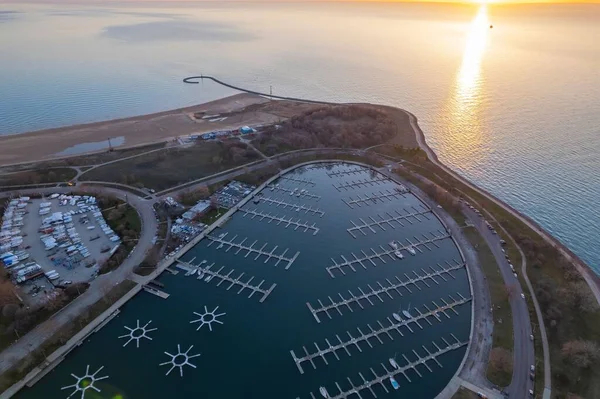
(297, 209)
(200, 274)
(398, 254)
(393, 363)
(394, 244)
(397, 316)
(394, 383)
(407, 314)
(411, 250)
(221, 235)
(323, 392)
(208, 278)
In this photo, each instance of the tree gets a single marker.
(581, 354)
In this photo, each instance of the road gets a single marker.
(523, 350)
(98, 288)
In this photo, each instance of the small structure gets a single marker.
(231, 194)
(200, 209)
(246, 130)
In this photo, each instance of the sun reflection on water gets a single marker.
(463, 138)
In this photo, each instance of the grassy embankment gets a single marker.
(62, 335)
(464, 393)
(125, 221)
(38, 176)
(569, 309)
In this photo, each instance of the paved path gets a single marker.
(99, 287)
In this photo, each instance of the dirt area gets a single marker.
(37, 252)
(139, 130)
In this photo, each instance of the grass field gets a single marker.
(164, 169)
(38, 176)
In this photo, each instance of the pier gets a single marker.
(383, 377)
(349, 171)
(296, 192)
(381, 196)
(287, 222)
(250, 249)
(361, 183)
(207, 274)
(285, 205)
(382, 253)
(389, 220)
(391, 326)
(156, 291)
(384, 290)
(300, 181)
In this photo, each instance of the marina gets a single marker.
(292, 329)
(382, 330)
(375, 198)
(223, 241)
(382, 253)
(286, 222)
(392, 221)
(381, 378)
(297, 207)
(387, 289)
(361, 183)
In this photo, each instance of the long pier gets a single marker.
(361, 183)
(287, 222)
(382, 378)
(388, 220)
(297, 193)
(366, 258)
(393, 325)
(250, 249)
(349, 171)
(285, 205)
(156, 291)
(381, 196)
(384, 289)
(207, 274)
(300, 181)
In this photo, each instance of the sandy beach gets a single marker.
(139, 130)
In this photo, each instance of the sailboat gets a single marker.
(397, 317)
(323, 392)
(392, 361)
(406, 312)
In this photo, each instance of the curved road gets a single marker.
(32, 340)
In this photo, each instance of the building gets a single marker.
(200, 209)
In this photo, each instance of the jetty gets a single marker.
(223, 241)
(382, 378)
(301, 194)
(297, 207)
(208, 275)
(389, 220)
(297, 180)
(375, 198)
(382, 253)
(348, 171)
(281, 220)
(391, 326)
(382, 290)
(361, 183)
(156, 291)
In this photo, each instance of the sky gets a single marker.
(276, 1)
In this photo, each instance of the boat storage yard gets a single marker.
(56, 240)
(332, 281)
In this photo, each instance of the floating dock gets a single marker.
(361, 183)
(383, 378)
(300, 181)
(349, 171)
(383, 252)
(385, 289)
(173, 272)
(235, 281)
(280, 220)
(388, 220)
(285, 205)
(294, 192)
(250, 249)
(375, 333)
(156, 292)
(381, 196)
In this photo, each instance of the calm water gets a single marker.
(248, 356)
(514, 108)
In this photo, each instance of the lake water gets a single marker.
(513, 108)
(246, 354)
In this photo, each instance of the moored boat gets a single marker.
(398, 254)
(411, 250)
(323, 392)
(397, 316)
(394, 383)
(393, 363)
